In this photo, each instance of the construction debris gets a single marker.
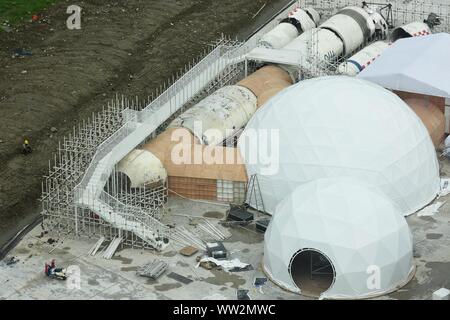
(216, 250)
(240, 214)
(179, 278)
(249, 267)
(445, 185)
(208, 265)
(111, 249)
(215, 296)
(187, 238)
(152, 270)
(242, 295)
(441, 294)
(96, 246)
(212, 231)
(21, 53)
(259, 282)
(227, 265)
(188, 251)
(262, 225)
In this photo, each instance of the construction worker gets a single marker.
(26, 147)
(52, 271)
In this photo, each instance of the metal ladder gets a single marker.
(254, 196)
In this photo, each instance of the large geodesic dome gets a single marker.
(338, 239)
(335, 127)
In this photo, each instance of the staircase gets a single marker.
(138, 126)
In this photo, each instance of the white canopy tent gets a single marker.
(417, 64)
(338, 239)
(340, 127)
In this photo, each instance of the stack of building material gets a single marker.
(152, 270)
(187, 238)
(212, 231)
(96, 246)
(111, 249)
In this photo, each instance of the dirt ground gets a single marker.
(126, 47)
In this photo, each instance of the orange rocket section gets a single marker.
(431, 110)
(212, 172)
(266, 83)
(431, 116)
(198, 171)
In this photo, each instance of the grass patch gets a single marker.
(16, 11)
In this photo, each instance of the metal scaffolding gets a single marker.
(77, 161)
(398, 14)
(85, 195)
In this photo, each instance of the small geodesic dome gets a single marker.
(340, 239)
(340, 127)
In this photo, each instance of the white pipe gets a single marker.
(353, 25)
(297, 22)
(142, 167)
(362, 59)
(413, 29)
(213, 119)
(280, 36)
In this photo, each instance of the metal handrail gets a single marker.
(178, 86)
(134, 214)
(104, 148)
(128, 212)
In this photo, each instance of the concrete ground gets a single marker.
(117, 279)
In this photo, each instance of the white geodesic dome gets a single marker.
(335, 127)
(354, 225)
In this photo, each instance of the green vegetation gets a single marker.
(15, 11)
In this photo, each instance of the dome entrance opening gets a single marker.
(312, 272)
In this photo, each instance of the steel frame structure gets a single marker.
(399, 14)
(77, 156)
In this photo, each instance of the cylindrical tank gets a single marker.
(325, 43)
(297, 22)
(266, 78)
(363, 58)
(315, 16)
(353, 25)
(157, 160)
(142, 168)
(413, 29)
(216, 117)
(272, 91)
(431, 116)
(306, 18)
(161, 146)
(280, 36)
(381, 26)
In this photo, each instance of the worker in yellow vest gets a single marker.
(26, 147)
